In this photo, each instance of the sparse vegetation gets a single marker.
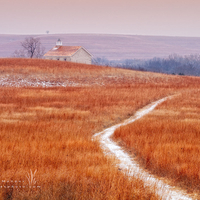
(31, 48)
(50, 129)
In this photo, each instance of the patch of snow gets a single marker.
(130, 166)
(45, 81)
(34, 82)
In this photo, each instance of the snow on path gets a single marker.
(131, 167)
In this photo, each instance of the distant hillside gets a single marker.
(112, 47)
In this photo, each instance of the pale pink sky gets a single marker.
(135, 17)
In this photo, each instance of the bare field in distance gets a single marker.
(112, 47)
(50, 128)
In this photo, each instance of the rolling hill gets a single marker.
(112, 47)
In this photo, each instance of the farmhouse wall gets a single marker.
(81, 56)
(58, 58)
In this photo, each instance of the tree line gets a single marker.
(173, 64)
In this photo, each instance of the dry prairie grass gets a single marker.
(50, 129)
(167, 141)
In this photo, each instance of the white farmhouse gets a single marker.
(76, 54)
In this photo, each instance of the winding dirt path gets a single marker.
(131, 167)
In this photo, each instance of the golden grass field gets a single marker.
(50, 129)
(167, 141)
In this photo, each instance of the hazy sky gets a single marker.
(141, 17)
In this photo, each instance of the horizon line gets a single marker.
(120, 34)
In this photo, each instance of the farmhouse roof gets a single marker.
(64, 51)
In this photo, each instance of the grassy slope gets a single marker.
(167, 141)
(50, 129)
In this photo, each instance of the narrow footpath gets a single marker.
(129, 166)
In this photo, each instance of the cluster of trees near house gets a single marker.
(173, 64)
(30, 48)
